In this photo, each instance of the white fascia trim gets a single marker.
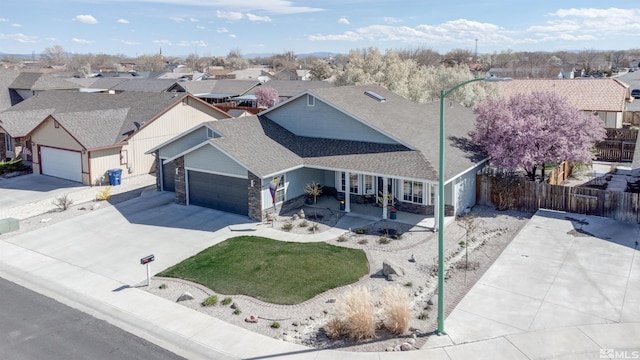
(217, 173)
(466, 171)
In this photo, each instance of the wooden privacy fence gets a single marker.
(521, 194)
(619, 145)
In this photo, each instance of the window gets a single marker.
(8, 140)
(209, 133)
(367, 183)
(413, 191)
(279, 196)
(311, 101)
(353, 183)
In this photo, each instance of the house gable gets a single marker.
(212, 160)
(183, 142)
(309, 116)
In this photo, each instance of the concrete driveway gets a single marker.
(110, 241)
(33, 188)
(561, 271)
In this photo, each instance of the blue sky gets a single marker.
(213, 27)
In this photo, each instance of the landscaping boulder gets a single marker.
(391, 270)
(251, 319)
(185, 296)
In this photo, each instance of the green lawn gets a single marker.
(273, 271)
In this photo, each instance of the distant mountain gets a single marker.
(20, 56)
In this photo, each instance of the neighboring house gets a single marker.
(304, 74)
(148, 85)
(258, 74)
(289, 88)
(80, 136)
(217, 91)
(359, 142)
(28, 84)
(286, 74)
(606, 97)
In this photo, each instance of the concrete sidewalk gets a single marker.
(529, 305)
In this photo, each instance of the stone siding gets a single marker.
(181, 184)
(255, 197)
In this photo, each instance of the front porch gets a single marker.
(374, 213)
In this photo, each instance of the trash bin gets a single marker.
(393, 215)
(342, 206)
(115, 176)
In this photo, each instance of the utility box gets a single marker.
(9, 225)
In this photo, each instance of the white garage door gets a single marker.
(61, 163)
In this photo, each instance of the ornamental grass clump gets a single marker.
(396, 308)
(359, 314)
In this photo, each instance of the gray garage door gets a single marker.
(169, 177)
(218, 192)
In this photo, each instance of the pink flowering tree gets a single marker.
(527, 131)
(267, 96)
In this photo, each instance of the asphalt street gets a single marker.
(36, 327)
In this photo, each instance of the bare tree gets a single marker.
(458, 57)
(151, 63)
(321, 70)
(55, 55)
(470, 224)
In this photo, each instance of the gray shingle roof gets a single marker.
(144, 85)
(41, 81)
(290, 88)
(96, 120)
(267, 148)
(7, 96)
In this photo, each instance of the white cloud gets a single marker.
(343, 20)
(127, 42)
(192, 19)
(267, 6)
(229, 15)
(81, 41)
(21, 38)
(16, 25)
(200, 27)
(222, 30)
(85, 19)
(123, 21)
(232, 36)
(3, 20)
(196, 43)
(176, 19)
(391, 20)
(253, 17)
(162, 42)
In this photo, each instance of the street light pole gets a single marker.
(441, 179)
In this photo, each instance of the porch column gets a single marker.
(385, 191)
(347, 186)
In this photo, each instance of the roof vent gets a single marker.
(375, 96)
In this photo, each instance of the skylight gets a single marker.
(375, 96)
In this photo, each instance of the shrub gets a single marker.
(226, 301)
(342, 238)
(210, 301)
(397, 236)
(303, 223)
(409, 284)
(12, 165)
(336, 329)
(237, 311)
(360, 231)
(314, 228)
(396, 308)
(275, 324)
(363, 241)
(163, 286)
(104, 193)
(63, 202)
(287, 226)
(461, 243)
(383, 240)
(423, 316)
(358, 313)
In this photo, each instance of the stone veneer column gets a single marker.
(181, 185)
(158, 167)
(3, 148)
(255, 197)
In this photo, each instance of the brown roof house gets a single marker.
(81, 136)
(363, 143)
(607, 98)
